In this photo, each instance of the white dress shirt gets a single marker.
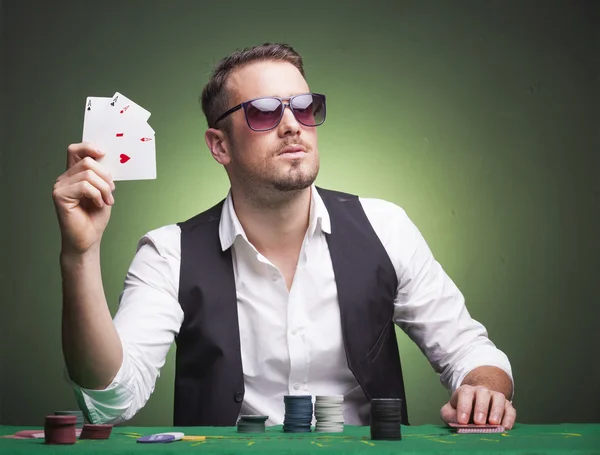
(291, 341)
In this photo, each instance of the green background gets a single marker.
(479, 118)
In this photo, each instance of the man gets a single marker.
(283, 288)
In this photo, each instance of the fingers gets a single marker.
(462, 400)
(487, 406)
(77, 152)
(82, 165)
(98, 183)
(510, 415)
(85, 184)
(73, 194)
(85, 189)
(498, 403)
(84, 156)
(88, 164)
(483, 397)
(85, 161)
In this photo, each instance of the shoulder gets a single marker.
(165, 240)
(374, 208)
(382, 213)
(386, 218)
(399, 235)
(210, 216)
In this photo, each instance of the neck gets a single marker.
(277, 224)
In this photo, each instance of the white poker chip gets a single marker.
(329, 414)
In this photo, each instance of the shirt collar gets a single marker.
(230, 227)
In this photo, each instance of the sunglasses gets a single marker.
(264, 114)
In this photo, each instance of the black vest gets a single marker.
(209, 382)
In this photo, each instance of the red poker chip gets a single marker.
(54, 420)
(60, 429)
(90, 431)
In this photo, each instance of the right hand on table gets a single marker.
(83, 198)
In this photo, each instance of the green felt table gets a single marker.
(422, 439)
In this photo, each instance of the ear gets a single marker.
(216, 140)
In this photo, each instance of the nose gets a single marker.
(289, 126)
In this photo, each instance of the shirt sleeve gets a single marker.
(148, 318)
(429, 307)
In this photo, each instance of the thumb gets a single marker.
(448, 413)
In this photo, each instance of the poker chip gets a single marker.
(298, 413)
(60, 429)
(251, 424)
(90, 431)
(156, 438)
(328, 413)
(386, 418)
(78, 414)
(176, 434)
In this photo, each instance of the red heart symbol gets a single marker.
(124, 158)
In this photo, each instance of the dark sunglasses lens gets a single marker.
(309, 109)
(264, 113)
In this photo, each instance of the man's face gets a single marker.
(285, 158)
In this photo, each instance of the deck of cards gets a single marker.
(119, 127)
(476, 428)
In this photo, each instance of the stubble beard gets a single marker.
(296, 178)
(298, 175)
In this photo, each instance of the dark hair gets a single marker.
(214, 96)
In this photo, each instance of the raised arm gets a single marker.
(83, 198)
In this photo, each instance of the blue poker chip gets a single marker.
(157, 438)
(298, 413)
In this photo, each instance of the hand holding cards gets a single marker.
(119, 127)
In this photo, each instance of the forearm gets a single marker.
(91, 345)
(491, 377)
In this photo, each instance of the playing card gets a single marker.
(119, 127)
(120, 107)
(129, 147)
(93, 117)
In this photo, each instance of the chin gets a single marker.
(296, 183)
(291, 186)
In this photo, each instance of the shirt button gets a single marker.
(297, 386)
(239, 397)
(274, 277)
(294, 332)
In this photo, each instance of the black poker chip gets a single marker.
(251, 424)
(386, 418)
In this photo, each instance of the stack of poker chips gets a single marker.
(78, 415)
(386, 417)
(298, 413)
(95, 431)
(251, 424)
(59, 429)
(329, 415)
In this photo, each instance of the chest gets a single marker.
(285, 279)
(273, 319)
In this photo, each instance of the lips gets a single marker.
(293, 150)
